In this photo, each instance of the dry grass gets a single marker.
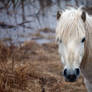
(33, 68)
(37, 35)
(46, 30)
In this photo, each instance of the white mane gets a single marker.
(70, 23)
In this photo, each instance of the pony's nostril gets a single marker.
(77, 71)
(71, 75)
(65, 72)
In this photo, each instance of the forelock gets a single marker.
(70, 24)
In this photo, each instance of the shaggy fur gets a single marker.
(70, 24)
(71, 21)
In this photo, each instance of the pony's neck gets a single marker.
(86, 65)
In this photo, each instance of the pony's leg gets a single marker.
(88, 85)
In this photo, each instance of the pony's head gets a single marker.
(70, 36)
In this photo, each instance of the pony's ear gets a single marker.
(58, 14)
(83, 16)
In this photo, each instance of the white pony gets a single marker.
(74, 38)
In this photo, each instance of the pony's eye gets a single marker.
(59, 40)
(83, 40)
